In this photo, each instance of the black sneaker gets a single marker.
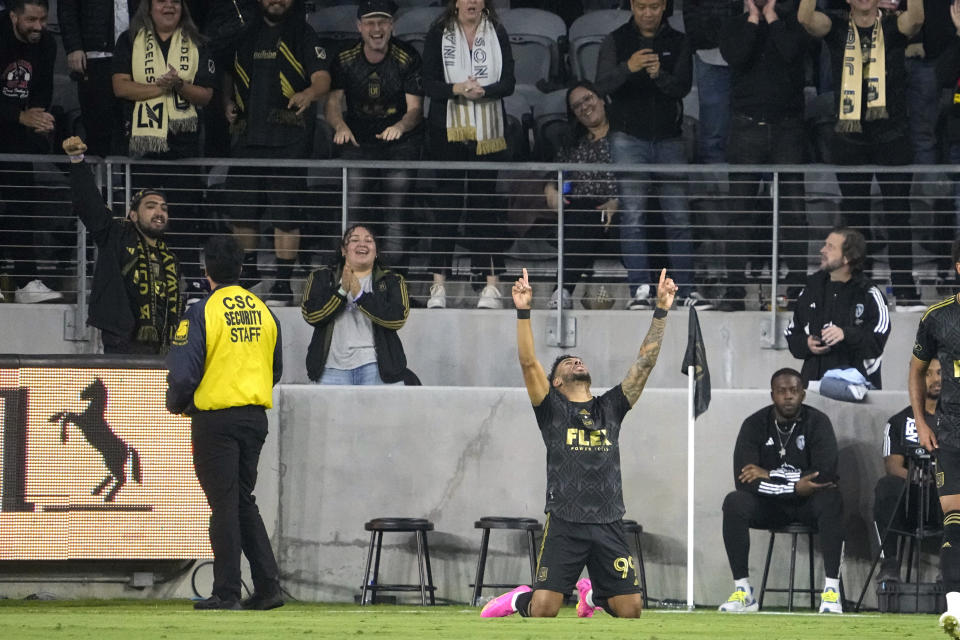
(214, 602)
(733, 300)
(694, 300)
(280, 295)
(256, 602)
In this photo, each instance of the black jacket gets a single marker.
(948, 76)
(809, 444)
(112, 308)
(87, 25)
(643, 107)
(436, 87)
(766, 65)
(387, 306)
(856, 306)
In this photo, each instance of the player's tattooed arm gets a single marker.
(636, 378)
(639, 372)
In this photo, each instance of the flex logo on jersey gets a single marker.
(585, 439)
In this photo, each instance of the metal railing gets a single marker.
(469, 220)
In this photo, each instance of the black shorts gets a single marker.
(948, 471)
(567, 547)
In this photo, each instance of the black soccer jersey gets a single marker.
(376, 93)
(938, 336)
(900, 435)
(583, 455)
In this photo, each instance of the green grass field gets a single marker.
(132, 620)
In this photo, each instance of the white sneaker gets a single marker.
(695, 300)
(740, 602)
(830, 601)
(490, 298)
(438, 296)
(950, 623)
(35, 291)
(641, 299)
(561, 294)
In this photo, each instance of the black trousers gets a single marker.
(98, 108)
(743, 510)
(226, 450)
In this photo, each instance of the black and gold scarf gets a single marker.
(286, 73)
(157, 298)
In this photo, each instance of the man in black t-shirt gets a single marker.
(785, 470)
(584, 503)
(872, 125)
(280, 71)
(378, 81)
(938, 336)
(27, 55)
(900, 443)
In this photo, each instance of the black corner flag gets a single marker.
(696, 355)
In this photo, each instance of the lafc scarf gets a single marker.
(286, 76)
(851, 82)
(153, 119)
(480, 120)
(157, 299)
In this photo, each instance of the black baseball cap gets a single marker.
(376, 8)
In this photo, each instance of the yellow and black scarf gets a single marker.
(153, 119)
(157, 298)
(854, 68)
(286, 74)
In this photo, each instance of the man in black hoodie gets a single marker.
(841, 319)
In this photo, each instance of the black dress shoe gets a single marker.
(214, 602)
(256, 602)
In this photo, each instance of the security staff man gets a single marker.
(225, 359)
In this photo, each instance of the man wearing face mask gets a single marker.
(136, 300)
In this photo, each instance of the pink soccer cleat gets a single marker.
(502, 605)
(584, 610)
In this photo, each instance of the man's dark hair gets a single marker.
(556, 363)
(786, 371)
(17, 6)
(854, 247)
(223, 259)
(955, 250)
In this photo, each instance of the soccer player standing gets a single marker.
(938, 336)
(584, 504)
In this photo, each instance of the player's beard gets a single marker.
(580, 377)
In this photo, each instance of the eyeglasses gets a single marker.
(583, 103)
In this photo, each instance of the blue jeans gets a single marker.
(923, 105)
(366, 374)
(713, 86)
(626, 149)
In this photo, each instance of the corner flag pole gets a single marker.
(691, 419)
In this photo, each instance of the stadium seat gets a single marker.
(377, 527)
(411, 25)
(550, 124)
(635, 528)
(535, 37)
(530, 525)
(586, 35)
(335, 26)
(519, 124)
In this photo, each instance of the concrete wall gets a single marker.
(454, 455)
(467, 347)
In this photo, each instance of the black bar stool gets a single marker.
(377, 527)
(530, 525)
(794, 530)
(635, 528)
